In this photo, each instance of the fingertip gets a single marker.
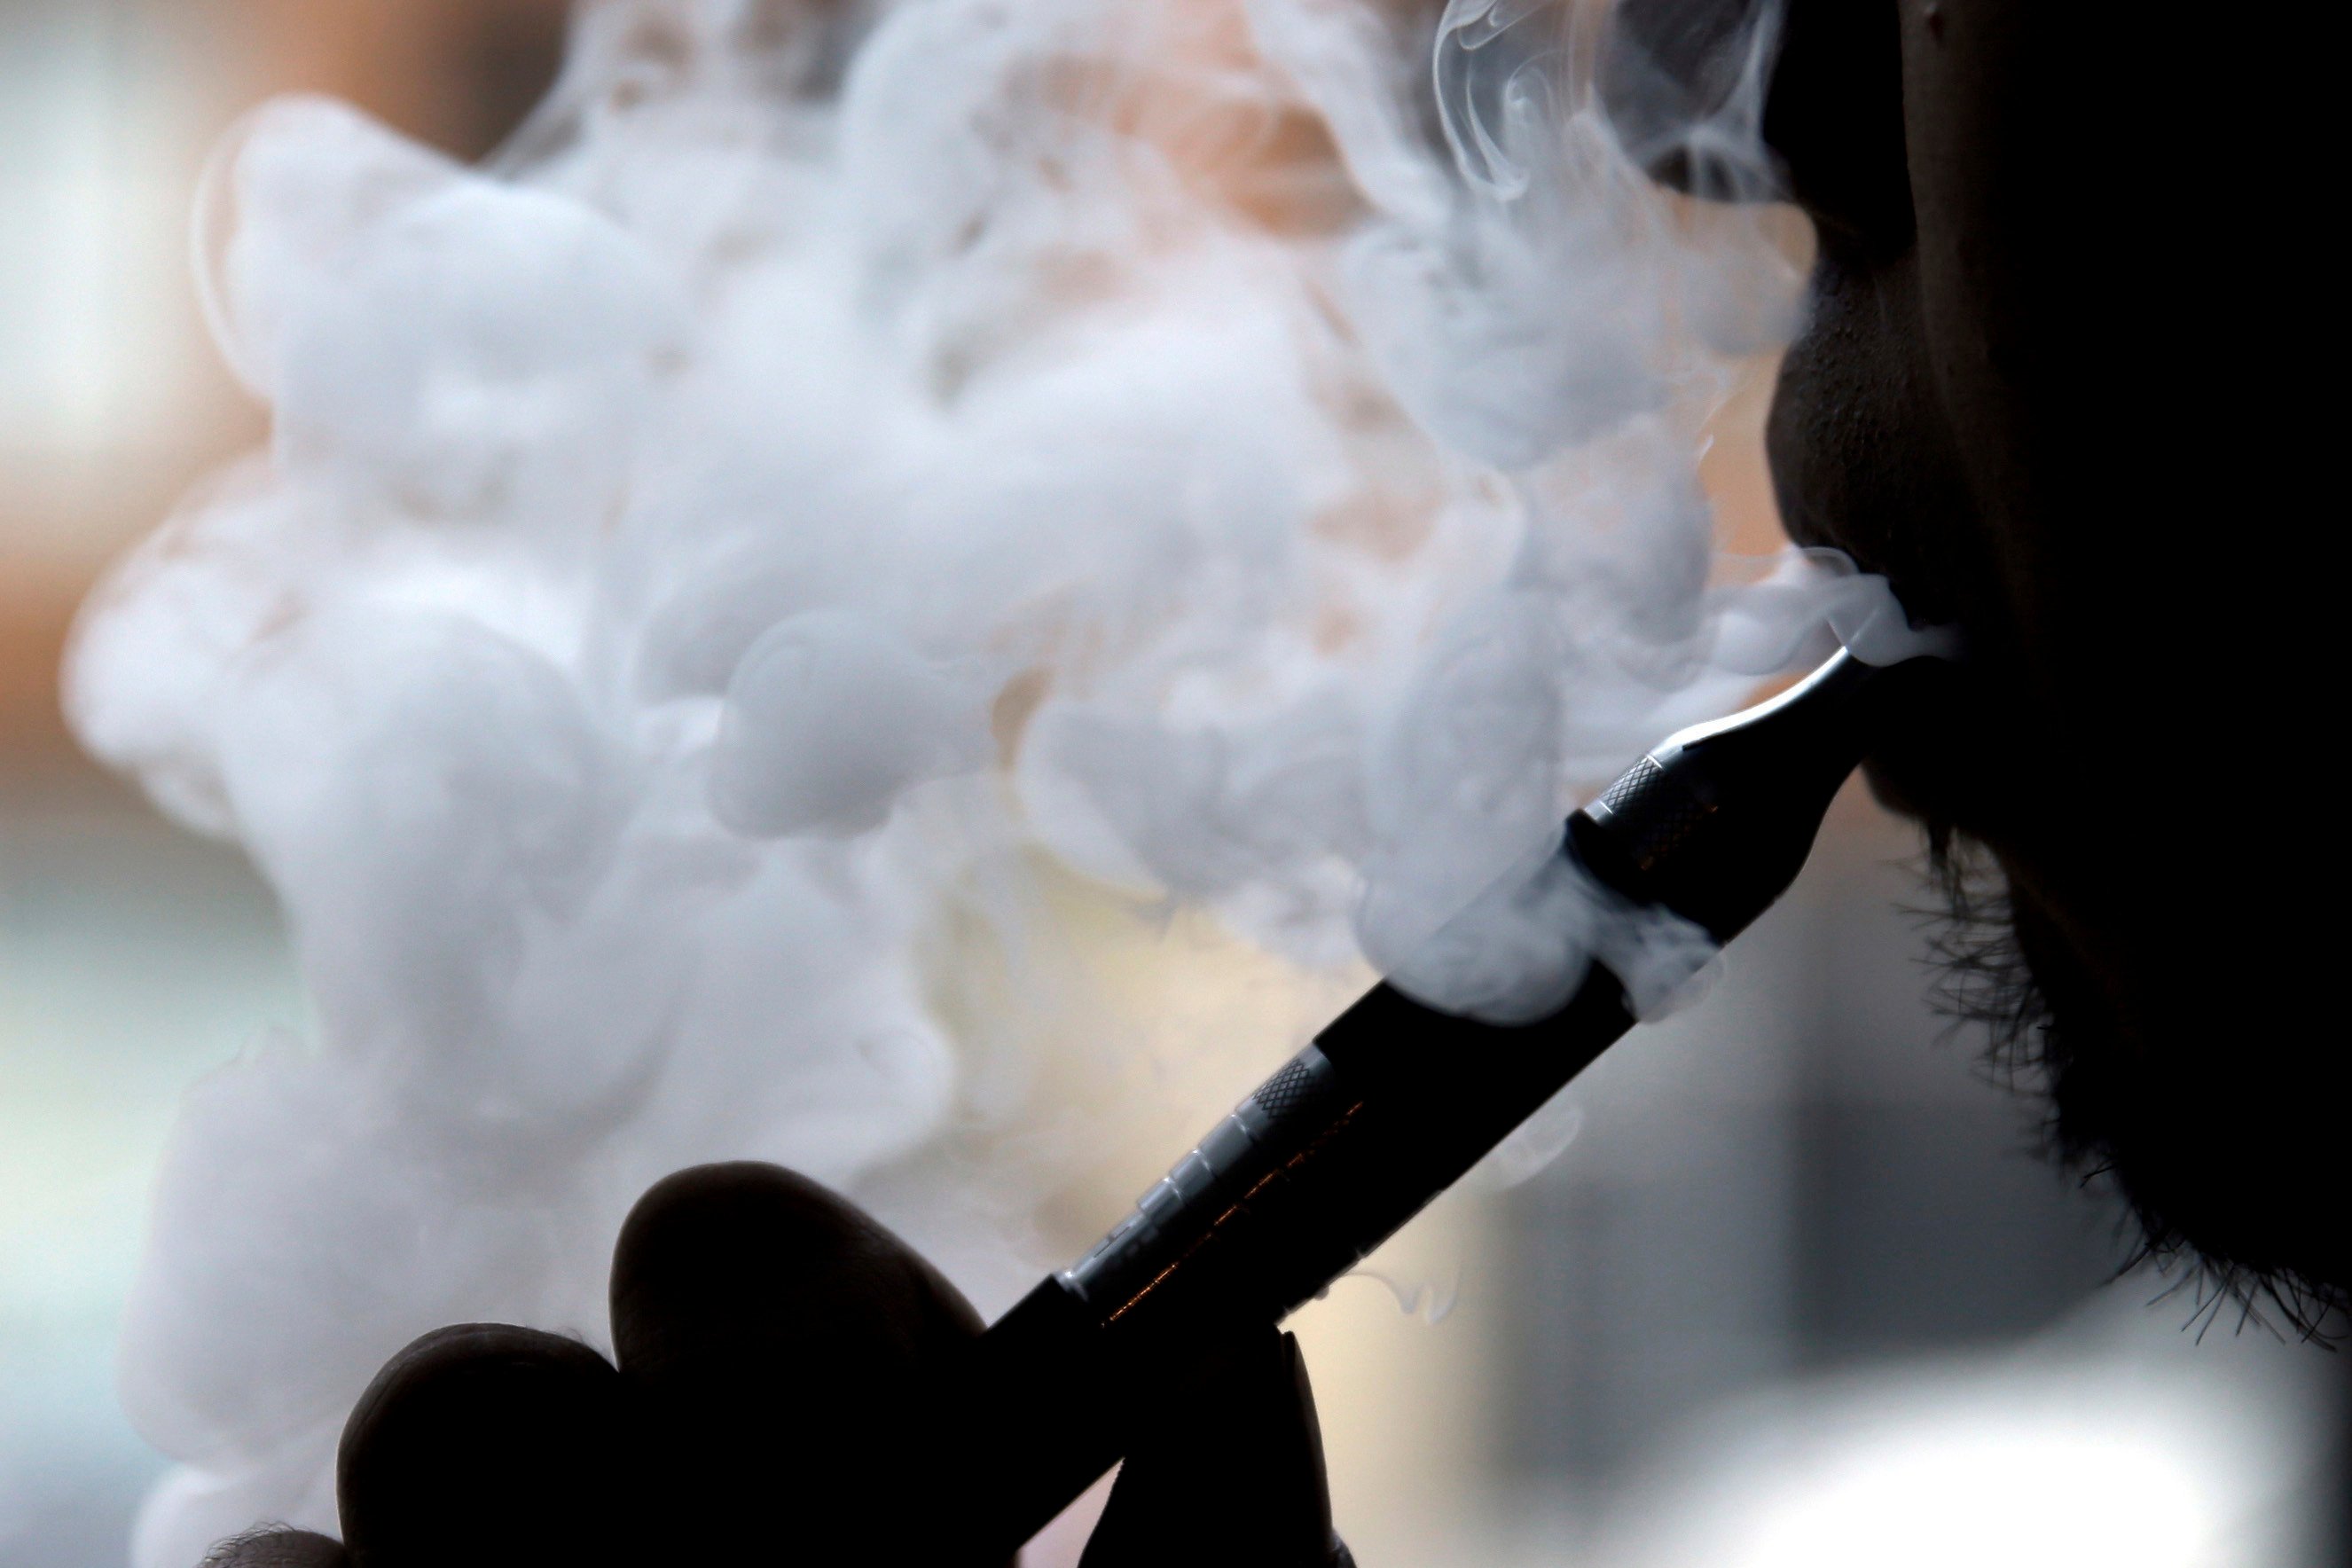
(783, 1340)
(757, 1269)
(486, 1444)
(277, 1546)
(1230, 1469)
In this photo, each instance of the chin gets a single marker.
(2185, 1095)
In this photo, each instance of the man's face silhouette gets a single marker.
(2046, 387)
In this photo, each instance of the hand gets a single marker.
(775, 1346)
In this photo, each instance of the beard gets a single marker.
(2195, 1096)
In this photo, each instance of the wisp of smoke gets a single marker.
(841, 473)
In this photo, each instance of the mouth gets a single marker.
(1862, 463)
(1949, 758)
(1919, 766)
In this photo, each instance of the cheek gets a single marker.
(1863, 457)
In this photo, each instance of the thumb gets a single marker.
(1231, 1473)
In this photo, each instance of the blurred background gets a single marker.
(1799, 1292)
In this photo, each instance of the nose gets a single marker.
(1684, 84)
(1766, 100)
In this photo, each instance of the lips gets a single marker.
(1922, 766)
(1863, 461)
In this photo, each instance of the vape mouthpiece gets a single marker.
(1390, 1105)
(1715, 823)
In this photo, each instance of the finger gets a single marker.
(782, 1338)
(482, 1445)
(734, 1276)
(275, 1546)
(1231, 1471)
